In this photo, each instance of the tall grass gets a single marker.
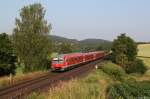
(91, 87)
(76, 89)
(9, 80)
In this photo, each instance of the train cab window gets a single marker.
(57, 60)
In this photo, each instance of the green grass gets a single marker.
(144, 50)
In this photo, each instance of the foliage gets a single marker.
(86, 45)
(116, 72)
(65, 48)
(87, 49)
(124, 53)
(93, 44)
(124, 47)
(130, 90)
(99, 48)
(136, 66)
(7, 58)
(122, 60)
(31, 37)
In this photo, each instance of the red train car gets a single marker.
(99, 54)
(65, 61)
(61, 62)
(88, 57)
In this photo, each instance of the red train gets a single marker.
(66, 61)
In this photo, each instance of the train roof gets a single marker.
(62, 56)
(69, 55)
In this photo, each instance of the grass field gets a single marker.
(146, 61)
(144, 50)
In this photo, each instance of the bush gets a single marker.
(129, 90)
(113, 70)
(6, 69)
(137, 66)
(7, 57)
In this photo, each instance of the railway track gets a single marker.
(20, 90)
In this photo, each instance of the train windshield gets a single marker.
(58, 60)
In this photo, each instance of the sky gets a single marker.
(82, 19)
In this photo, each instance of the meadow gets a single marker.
(144, 50)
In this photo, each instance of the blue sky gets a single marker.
(81, 19)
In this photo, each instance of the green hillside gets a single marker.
(90, 43)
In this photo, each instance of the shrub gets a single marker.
(113, 70)
(7, 57)
(137, 66)
(6, 69)
(129, 90)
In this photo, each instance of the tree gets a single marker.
(99, 48)
(7, 58)
(136, 66)
(124, 49)
(31, 37)
(87, 48)
(122, 60)
(65, 48)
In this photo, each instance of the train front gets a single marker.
(58, 63)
